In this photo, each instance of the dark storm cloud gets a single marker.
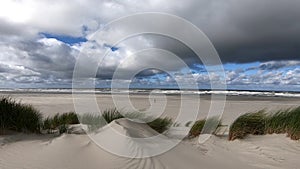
(253, 30)
(278, 65)
(107, 73)
(241, 31)
(275, 65)
(38, 61)
(47, 54)
(244, 31)
(176, 47)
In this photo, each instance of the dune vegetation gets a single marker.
(19, 117)
(204, 126)
(15, 116)
(285, 121)
(261, 123)
(197, 128)
(60, 122)
(160, 124)
(250, 123)
(95, 121)
(255, 123)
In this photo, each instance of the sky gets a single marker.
(257, 41)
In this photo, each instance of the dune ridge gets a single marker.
(78, 151)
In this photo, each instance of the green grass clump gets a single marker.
(250, 123)
(160, 124)
(278, 123)
(25, 118)
(281, 122)
(293, 128)
(205, 126)
(96, 121)
(285, 121)
(197, 128)
(110, 115)
(60, 121)
(18, 117)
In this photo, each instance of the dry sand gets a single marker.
(79, 152)
(50, 104)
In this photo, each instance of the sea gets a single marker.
(156, 91)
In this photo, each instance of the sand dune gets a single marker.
(78, 152)
(73, 151)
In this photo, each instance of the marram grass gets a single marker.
(204, 126)
(25, 118)
(18, 117)
(285, 121)
(95, 121)
(160, 124)
(260, 123)
(60, 121)
(111, 114)
(293, 128)
(250, 123)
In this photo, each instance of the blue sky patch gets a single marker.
(113, 48)
(66, 39)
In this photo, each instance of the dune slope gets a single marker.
(79, 151)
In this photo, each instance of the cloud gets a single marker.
(37, 60)
(242, 31)
(274, 65)
(266, 32)
(279, 78)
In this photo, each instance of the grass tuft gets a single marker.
(204, 126)
(160, 124)
(110, 115)
(285, 121)
(250, 123)
(18, 117)
(95, 121)
(281, 122)
(197, 128)
(60, 121)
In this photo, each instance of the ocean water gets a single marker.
(159, 91)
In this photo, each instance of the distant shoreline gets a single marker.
(150, 89)
(156, 91)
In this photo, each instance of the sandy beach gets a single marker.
(50, 104)
(31, 151)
